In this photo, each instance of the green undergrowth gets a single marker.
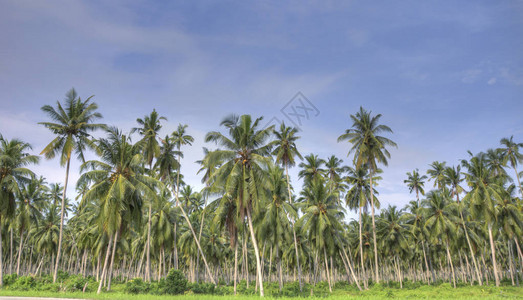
(175, 286)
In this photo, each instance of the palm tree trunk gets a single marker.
(361, 249)
(197, 243)
(58, 254)
(493, 252)
(256, 251)
(148, 256)
(293, 228)
(510, 263)
(451, 265)
(426, 263)
(374, 228)
(107, 254)
(175, 251)
(19, 253)
(112, 261)
(327, 269)
(350, 267)
(11, 251)
(235, 266)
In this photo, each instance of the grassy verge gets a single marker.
(424, 292)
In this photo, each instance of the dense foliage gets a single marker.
(135, 224)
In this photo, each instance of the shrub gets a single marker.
(10, 279)
(24, 283)
(75, 283)
(136, 286)
(202, 288)
(175, 283)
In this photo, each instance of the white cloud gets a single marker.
(492, 81)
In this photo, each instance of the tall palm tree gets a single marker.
(72, 125)
(13, 162)
(369, 149)
(441, 221)
(484, 193)
(149, 128)
(453, 179)
(358, 198)
(118, 187)
(437, 173)
(321, 219)
(285, 152)
(415, 183)
(180, 138)
(242, 173)
(511, 154)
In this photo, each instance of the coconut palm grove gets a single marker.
(251, 229)
(261, 149)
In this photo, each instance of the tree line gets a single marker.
(134, 216)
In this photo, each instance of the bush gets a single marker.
(175, 283)
(202, 288)
(136, 286)
(10, 279)
(24, 283)
(75, 283)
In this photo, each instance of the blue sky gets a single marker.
(446, 75)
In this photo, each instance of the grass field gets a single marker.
(425, 292)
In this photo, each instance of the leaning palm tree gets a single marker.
(242, 168)
(72, 126)
(415, 183)
(485, 192)
(369, 149)
(118, 187)
(285, 152)
(150, 126)
(511, 155)
(13, 162)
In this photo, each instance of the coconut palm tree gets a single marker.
(311, 168)
(321, 219)
(415, 183)
(510, 151)
(285, 152)
(118, 186)
(358, 198)
(242, 168)
(441, 220)
(437, 173)
(485, 192)
(149, 128)
(369, 149)
(72, 125)
(13, 172)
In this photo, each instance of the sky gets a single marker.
(447, 76)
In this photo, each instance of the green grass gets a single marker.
(443, 291)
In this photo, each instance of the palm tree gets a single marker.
(285, 153)
(357, 198)
(150, 126)
(369, 149)
(321, 219)
(119, 188)
(32, 199)
(441, 221)
(311, 168)
(13, 162)
(484, 193)
(393, 239)
(437, 173)
(241, 171)
(415, 183)
(72, 125)
(333, 172)
(511, 154)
